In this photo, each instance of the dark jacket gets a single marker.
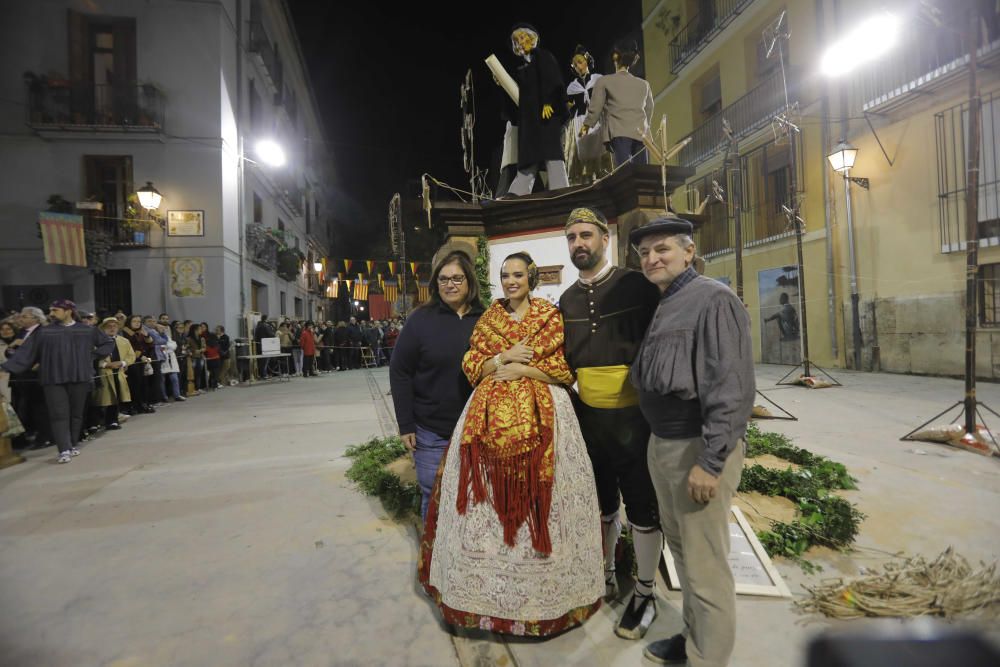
(65, 354)
(425, 373)
(540, 83)
(340, 337)
(262, 330)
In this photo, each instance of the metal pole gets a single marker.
(736, 196)
(971, 228)
(855, 310)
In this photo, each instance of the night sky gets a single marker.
(387, 83)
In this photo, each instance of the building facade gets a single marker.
(178, 94)
(755, 64)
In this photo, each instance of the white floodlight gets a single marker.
(866, 42)
(270, 153)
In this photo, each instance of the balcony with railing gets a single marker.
(713, 17)
(80, 105)
(262, 48)
(118, 234)
(753, 111)
(932, 57)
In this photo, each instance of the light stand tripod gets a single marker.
(775, 36)
(970, 404)
(736, 188)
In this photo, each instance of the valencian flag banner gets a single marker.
(361, 290)
(62, 238)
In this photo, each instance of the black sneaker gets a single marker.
(667, 651)
(637, 619)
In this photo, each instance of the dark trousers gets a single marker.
(66, 403)
(625, 149)
(342, 358)
(29, 404)
(154, 386)
(137, 386)
(308, 365)
(214, 366)
(617, 440)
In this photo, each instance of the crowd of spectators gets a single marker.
(158, 360)
(325, 347)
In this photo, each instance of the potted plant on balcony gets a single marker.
(290, 263)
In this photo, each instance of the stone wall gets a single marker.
(924, 335)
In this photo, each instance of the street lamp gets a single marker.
(866, 42)
(842, 159)
(317, 266)
(270, 153)
(149, 197)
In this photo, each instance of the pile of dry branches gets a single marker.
(946, 586)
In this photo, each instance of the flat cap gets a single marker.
(668, 223)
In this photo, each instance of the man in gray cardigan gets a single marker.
(626, 102)
(695, 377)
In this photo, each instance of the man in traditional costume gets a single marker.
(541, 113)
(605, 313)
(695, 378)
(624, 103)
(511, 539)
(65, 351)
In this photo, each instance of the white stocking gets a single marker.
(648, 543)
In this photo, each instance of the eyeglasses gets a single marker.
(454, 280)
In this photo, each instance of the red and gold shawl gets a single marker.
(507, 441)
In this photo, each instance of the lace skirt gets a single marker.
(480, 582)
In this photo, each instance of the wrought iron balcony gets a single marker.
(118, 234)
(713, 18)
(937, 57)
(748, 114)
(260, 46)
(76, 105)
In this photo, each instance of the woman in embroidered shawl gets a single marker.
(512, 540)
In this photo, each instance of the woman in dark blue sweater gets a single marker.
(429, 389)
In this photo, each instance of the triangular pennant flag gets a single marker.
(369, 264)
(392, 268)
(347, 265)
(413, 268)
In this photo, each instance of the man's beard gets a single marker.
(585, 260)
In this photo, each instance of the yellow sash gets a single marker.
(606, 387)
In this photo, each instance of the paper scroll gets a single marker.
(500, 74)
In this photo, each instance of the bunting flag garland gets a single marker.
(62, 238)
(347, 265)
(369, 264)
(392, 268)
(413, 268)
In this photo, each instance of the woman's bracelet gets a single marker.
(497, 361)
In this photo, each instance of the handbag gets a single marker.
(147, 369)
